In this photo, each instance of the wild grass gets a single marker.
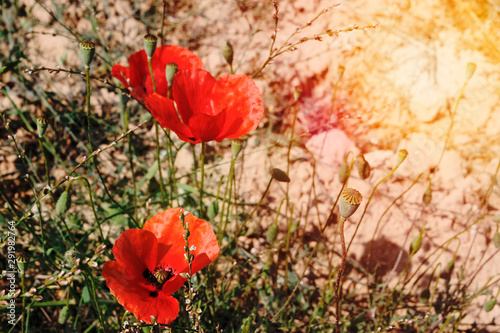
(82, 161)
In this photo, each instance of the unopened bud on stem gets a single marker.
(227, 52)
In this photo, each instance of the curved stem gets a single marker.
(338, 287)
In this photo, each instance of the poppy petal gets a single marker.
(121, 73)
(205, 127)
(163, 110)
(136, 297)
(239, 97)
(139, 74)
(136, 250)
(169, 230)
(183, 58)
(191, 91)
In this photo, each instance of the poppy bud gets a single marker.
(425, 295)
(87, 51)
(170, 71)
(496, 240)
(364, 168)
(280, 175)
(63, 203)
(471, 68)
(427, 197)
(296, 94)
(350, 199)
(41, 126)
(63, 315)
(213, 210)
(227, 52)
(448, 270)
(340, 71)
(343, 172)
(415, 245)
(150, 45)
(488, 306)
(401, 156)
(272, 232)
(236, 147)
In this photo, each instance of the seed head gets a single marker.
(150, 45)
(350, 199)
(87, 51)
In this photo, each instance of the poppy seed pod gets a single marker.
(350, 199)
(236, 147)
(170, 71)
(21, 260)
(87, 51)
(150, 45)
(228, 52)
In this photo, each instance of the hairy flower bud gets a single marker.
(227, 52)
(280, 175)
(471, 68)
(364, 168)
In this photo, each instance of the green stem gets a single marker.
(124, 108)
(23, 288)
(91, 148)
(93, 290)
(157, 137)
(202, 180)
(227, 200)
(87, 183)
(158, 159)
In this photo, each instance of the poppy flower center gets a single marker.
(158, 277)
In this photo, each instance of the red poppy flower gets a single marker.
(205, 109)
(138, 79)
(149, 261)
